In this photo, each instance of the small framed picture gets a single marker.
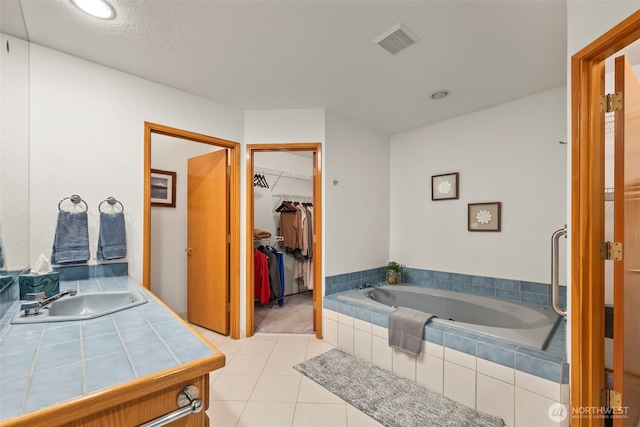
(444, 187)
(163, 188)
(484, 216)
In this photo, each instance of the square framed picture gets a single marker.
(484, 216)
(163, 188)
(444, 187)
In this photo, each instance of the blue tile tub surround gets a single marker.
(349, 281)
(550, 364)
(94, 354)
(492, 287)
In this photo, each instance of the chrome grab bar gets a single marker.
(187, 401)
(555, 285)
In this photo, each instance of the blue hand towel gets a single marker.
(71, 242)
(112, 243)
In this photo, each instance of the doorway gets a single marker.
(215, 304)
(587, 234)
(314, 281)
(283, 197)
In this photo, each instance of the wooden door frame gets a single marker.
(316, 148)
(234, 211)
(587, 215)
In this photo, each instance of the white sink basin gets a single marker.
(83, 307)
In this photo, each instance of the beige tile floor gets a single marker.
(258, 387)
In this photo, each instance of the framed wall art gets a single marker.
(445, 187)
(484, 216)
(163, 188)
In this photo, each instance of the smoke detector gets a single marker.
(397, 39)
(440, 94)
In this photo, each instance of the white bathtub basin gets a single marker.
(520, 323)
(83, 307)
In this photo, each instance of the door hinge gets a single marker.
(610, 398)
(228, 307)
(228, 238)
(228, 170)
(611, 102)
(611, 251)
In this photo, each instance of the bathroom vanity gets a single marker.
(126, 368)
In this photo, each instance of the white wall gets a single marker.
(509, 153)
(282, 126)
(14, 152)
(169, 225)
(588, 20)
(86, 138)
(357, 208)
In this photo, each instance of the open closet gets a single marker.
(283, 235)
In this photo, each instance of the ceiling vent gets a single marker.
(397, 39)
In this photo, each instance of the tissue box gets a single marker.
(47, 283)
(5, 280)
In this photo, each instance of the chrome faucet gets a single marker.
(368, 285)
(32, 308)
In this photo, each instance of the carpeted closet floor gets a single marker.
(295, 316)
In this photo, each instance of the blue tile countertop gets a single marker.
(43, 364)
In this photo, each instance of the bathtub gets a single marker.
(519, 323)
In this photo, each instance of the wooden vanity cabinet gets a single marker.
(149, 407)
(133, 403)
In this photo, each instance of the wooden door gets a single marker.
(626, 340)
(208, 241)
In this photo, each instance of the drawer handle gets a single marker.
(189, 404)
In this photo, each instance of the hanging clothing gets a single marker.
(287, 230)
(296, 228)
(304, 273)
(309, 209)
(261, 286)
(300, 224)
(275, 283)
(280, 259)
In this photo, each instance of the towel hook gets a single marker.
(112, 202)
(75, 199)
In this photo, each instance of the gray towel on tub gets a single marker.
(71, 241)
(406, 326)
(112, 242)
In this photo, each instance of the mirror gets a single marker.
(14, 154)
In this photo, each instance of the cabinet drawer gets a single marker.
(147, 407)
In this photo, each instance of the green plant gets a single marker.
(395, 266)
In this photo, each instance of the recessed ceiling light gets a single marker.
(96, 8)
(440, 94)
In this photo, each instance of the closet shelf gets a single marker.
(282, 174)
(295, 197)
(270, 239)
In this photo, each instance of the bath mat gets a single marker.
(388, 398)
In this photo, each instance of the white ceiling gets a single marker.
(318, 54)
